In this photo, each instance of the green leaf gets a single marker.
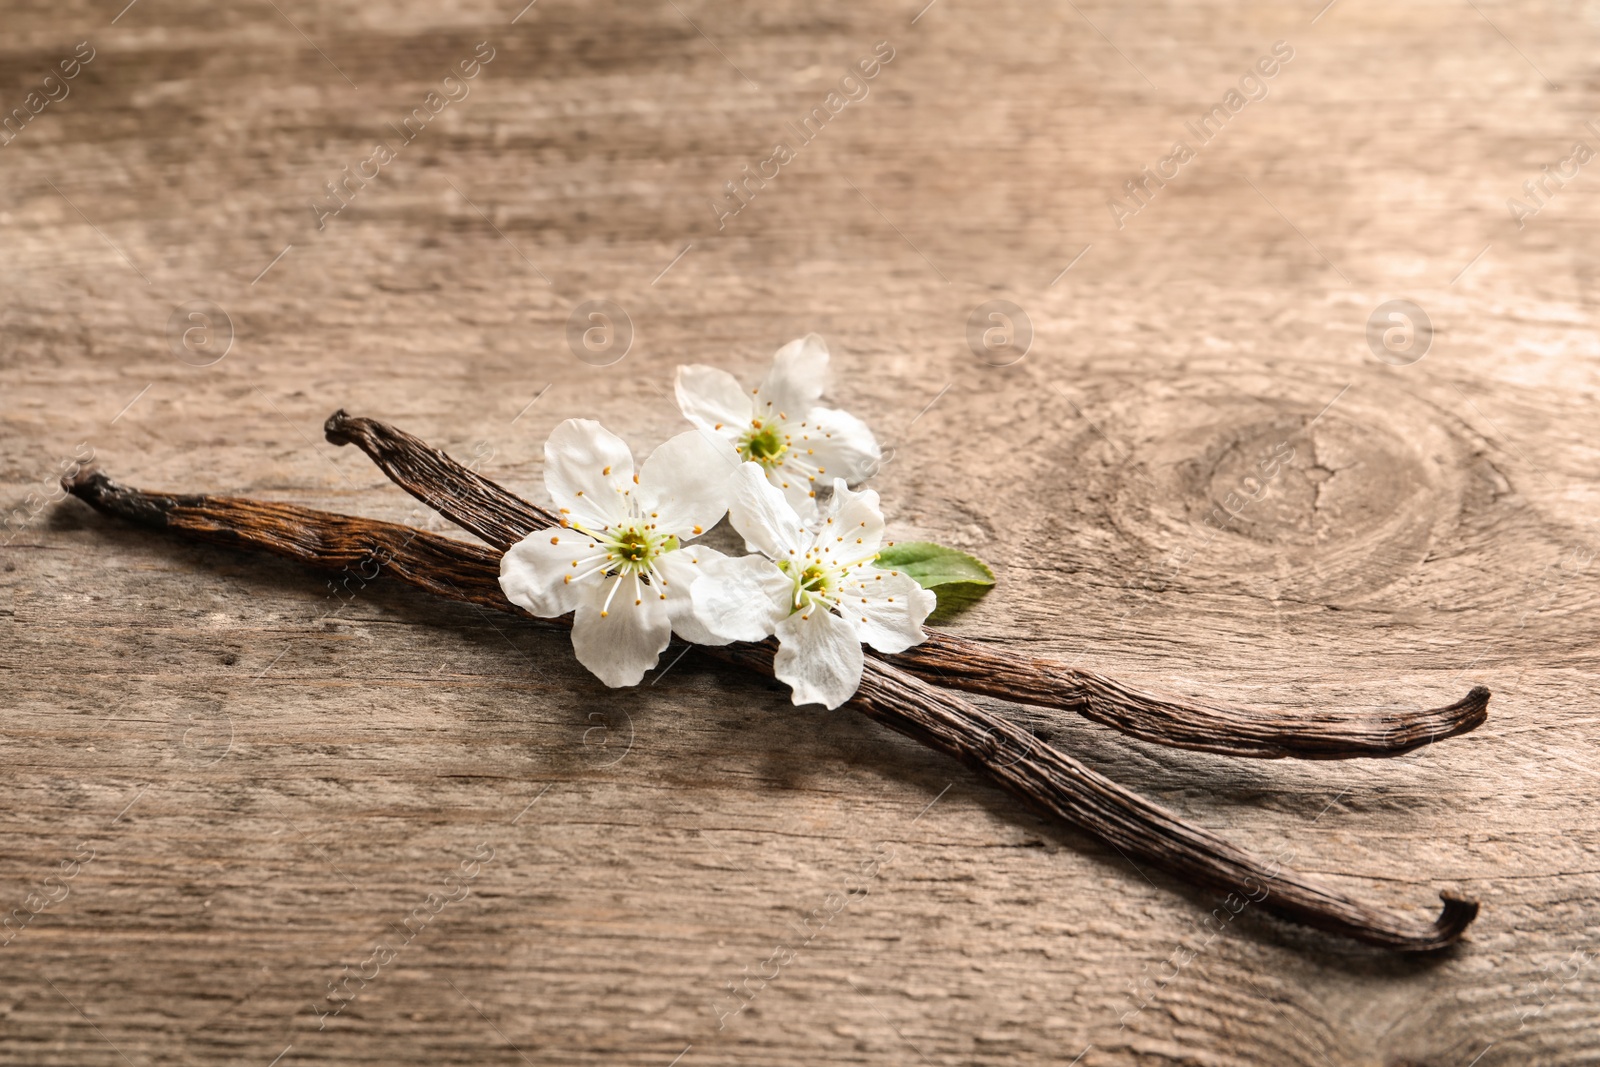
(931, 564)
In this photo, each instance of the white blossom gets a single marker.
(780, 425)
(621, 563)
(814, 586)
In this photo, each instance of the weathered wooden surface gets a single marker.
(272, 779)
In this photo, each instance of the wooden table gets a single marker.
(225, 787)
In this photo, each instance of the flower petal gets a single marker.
(588, 471)
(799, 490)
(852, 525)
(799, 372)
(534, 572)
(713, 400)
(887, 609)
(619, 646)
(684, 482)
(842, 445)
(819, 655)
(741, 598)
(684, 571)
(758, 510)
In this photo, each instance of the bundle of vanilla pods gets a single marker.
(915, 691)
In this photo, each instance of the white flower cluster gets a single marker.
(624, 561)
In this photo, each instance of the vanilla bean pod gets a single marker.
(501, 518)
(444, 566)
(1045, 777)
(975, 667)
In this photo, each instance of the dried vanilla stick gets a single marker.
(501, 518)
(1048, 779)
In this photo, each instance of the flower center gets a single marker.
(815, 581)
(632, 547)
(764, 443)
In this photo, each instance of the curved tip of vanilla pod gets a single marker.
(1474, 707)
(1452, 720)
(1398, 933)
(85, 480)
(1457, 914)
(92, 486)
(337, 428)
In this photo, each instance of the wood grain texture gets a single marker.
(273, 779)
